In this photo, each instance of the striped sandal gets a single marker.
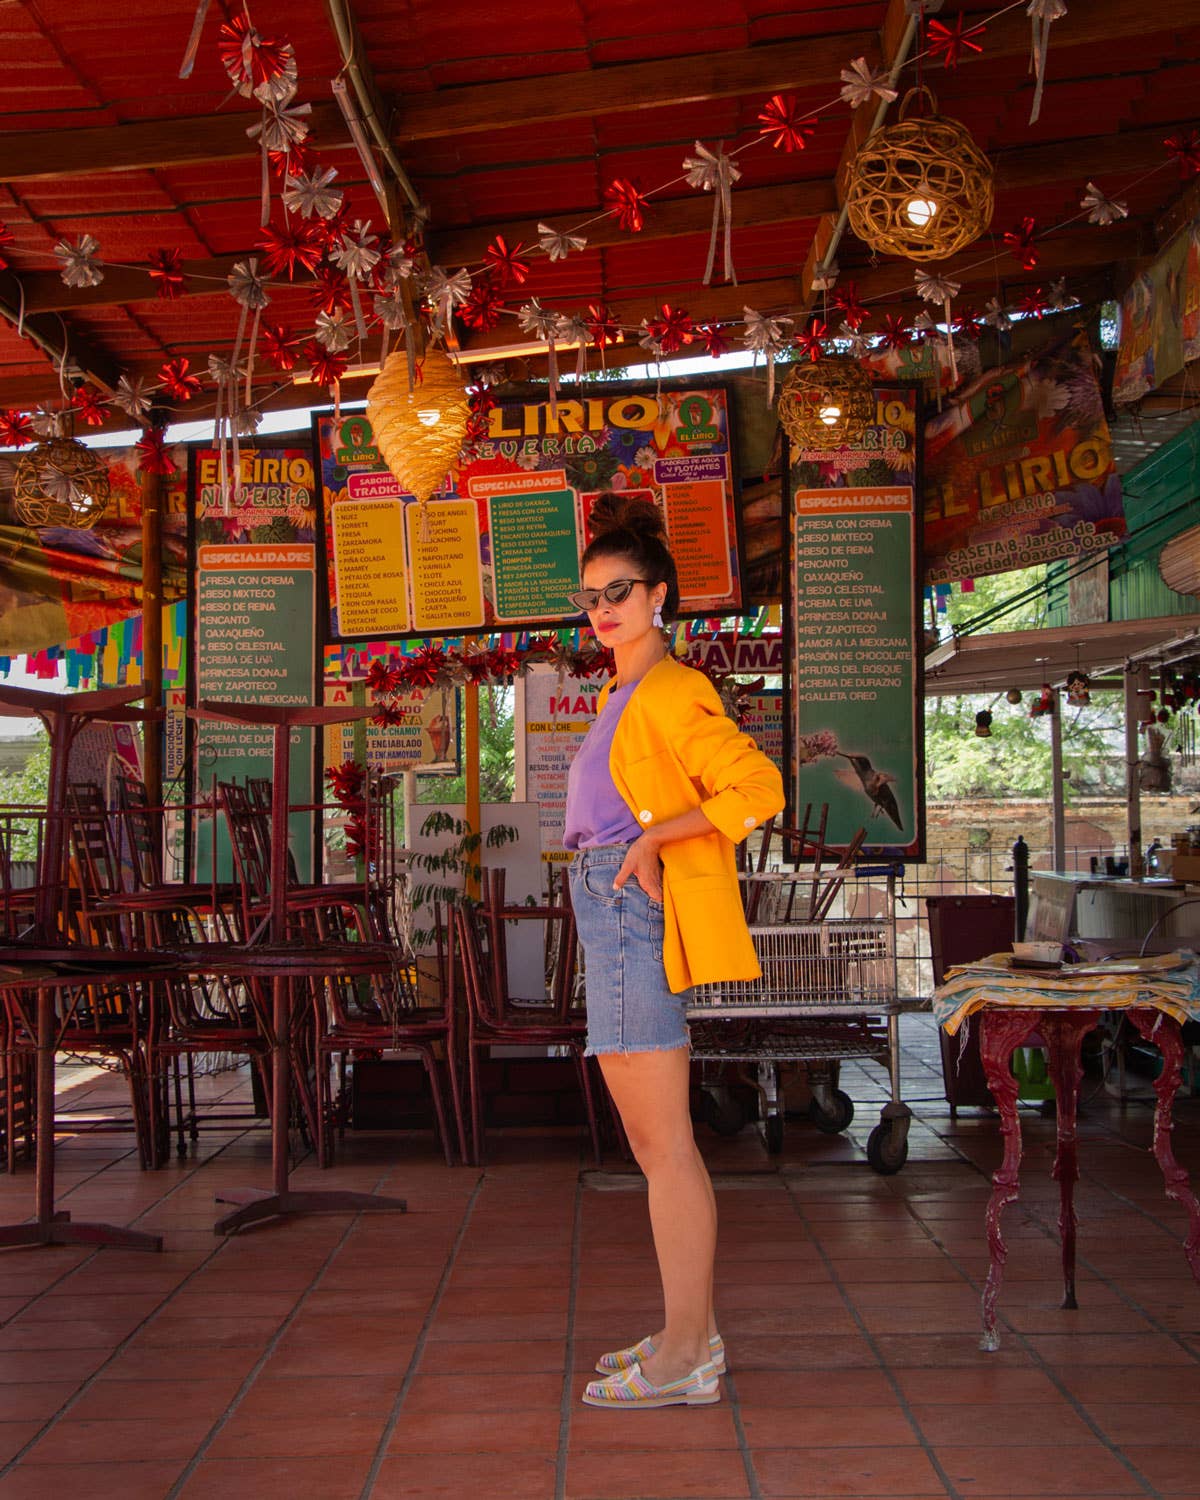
(624, 1359)
(631, 1389)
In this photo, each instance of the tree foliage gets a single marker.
(26, 788)
(496, 755)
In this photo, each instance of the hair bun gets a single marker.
(614, 511)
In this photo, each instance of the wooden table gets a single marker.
(1063, 1021)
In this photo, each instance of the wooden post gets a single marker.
(1133, 768)
(1057, 785)
(152, 603)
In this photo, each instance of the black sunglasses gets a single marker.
(615, 592)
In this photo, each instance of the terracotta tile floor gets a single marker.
(443, 1352)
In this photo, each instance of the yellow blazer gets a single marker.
(675, 749)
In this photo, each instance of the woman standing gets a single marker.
(660, 791)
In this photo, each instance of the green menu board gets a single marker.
(535, 553)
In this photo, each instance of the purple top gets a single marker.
(596, 812)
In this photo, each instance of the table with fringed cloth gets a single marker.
(1062, 1003)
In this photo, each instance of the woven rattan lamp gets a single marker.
(420, 431)
(920, 188)
(828, 403)
(61, 483)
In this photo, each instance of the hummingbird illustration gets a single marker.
(876, 784)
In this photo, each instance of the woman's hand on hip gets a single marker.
(643, 863)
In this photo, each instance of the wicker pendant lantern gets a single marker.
(827, 403)
(419, 432)
(61, 483)
(920, 188)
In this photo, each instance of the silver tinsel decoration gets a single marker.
(860, 81)
(81, 264)
(310, 193)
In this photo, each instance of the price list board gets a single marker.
(558, 714)
(856, 665)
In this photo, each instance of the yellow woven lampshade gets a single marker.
(826, 403)
(920, 188)
(61, 483)
(419, 432)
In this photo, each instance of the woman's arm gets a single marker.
(644, 859)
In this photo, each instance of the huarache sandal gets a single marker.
(631, 1389)
(622, 1359)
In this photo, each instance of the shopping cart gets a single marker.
(827, 994)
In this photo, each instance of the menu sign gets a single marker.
(424, 736)
(501, 545)
(254, 637)
(857, 631)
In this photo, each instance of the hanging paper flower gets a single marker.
(381, 678)
(483, 307)
(783, 124)
(299, 157)
(397, 264)
(847, 302)
(626, 203)
(714, 172)
(650, 342)
(764, 335)
(1033, 304)
(6, 238)
(923, 328)
(808, 341)
(330, 289)
(246, 286)
(357, 254)
(330, 231)
(857, 344)
(713, 340)
(503, 665)
(81, 264)
(152, 453)
(132, 396)
(282, 126)
(16, 429)
(422, 669)
(895, 334)
(1042, 13)
(1186, 151)
(966, 325)
(1102, 209)
(286, 251)
(505, 261)
(445, 293)
(278, 344)
(558, 246)
(309, 193)
(996, 315)
(541, 322)
(602, 326)
(257, 66)
(1020, 243)
(933, 288)
(166, 271)
(176, 382)
(246, 421)
(671, 329)
(89, 403)
(390, 310)
(860, 81)
(950, 43)
(327, 367)
(334, 330)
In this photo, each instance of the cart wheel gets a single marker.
(834, 1120)
(773, 1134)
(722, 1111)
(887, 1149)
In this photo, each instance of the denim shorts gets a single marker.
(629, 1006)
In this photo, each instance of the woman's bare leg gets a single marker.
(650, 1090)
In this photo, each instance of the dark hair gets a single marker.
(631, 526)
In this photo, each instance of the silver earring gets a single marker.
(658, 619)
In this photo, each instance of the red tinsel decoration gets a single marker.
(176, 382)
(783, 123)
(951, 42)
(713, 339)
(277, 345)
(483, 306)
(384, 678)
(327, 367)
(626, 204)
(967, 325)
(1020, 243)
(348, 782)
(672, 328)
(809, 342)
(385, 715)
(88, 402)
(239, 44)
(330, 289)
(299, 246)
(6, 238)
(504, 665)
(166, 271)
(476, 664)
(299, 157)
(506, 263)
(1186, 151)
(16, 429)
(846, 300)
(331, 231)
(1033, 304)
(422, 669)
(152, 453)
(895, 334)
(602, 325)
